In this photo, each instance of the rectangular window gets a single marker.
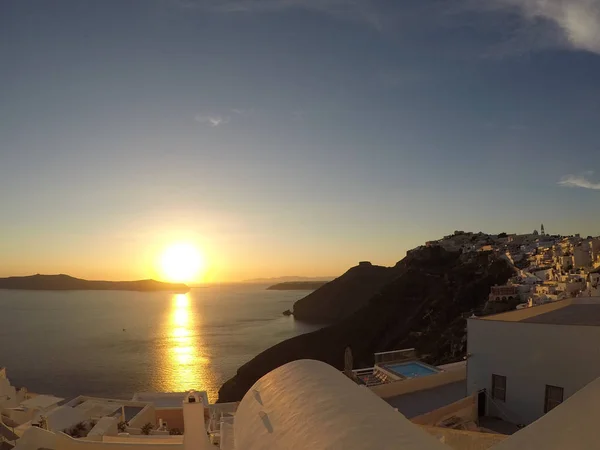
(554, 397)
(499, 387)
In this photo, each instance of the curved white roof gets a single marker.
(308, 404)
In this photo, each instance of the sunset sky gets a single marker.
(289, 137)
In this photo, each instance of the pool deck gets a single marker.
(414, 404)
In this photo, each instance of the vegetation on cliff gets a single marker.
(423, 306)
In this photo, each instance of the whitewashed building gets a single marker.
(529, 361)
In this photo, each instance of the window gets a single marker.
(554, 397)
(498, 387)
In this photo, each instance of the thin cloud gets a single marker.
(243, 112)
(357, 10)
(579, 181)
(550, 23)
(525, 24)
(212, 120)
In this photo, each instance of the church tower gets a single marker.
(543, 231)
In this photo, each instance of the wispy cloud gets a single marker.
(358, 10)
(525, 24)
(550, 23)
(212, 120)
(579, 181)
(243, 111)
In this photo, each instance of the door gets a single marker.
(481, 403)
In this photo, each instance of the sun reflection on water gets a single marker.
(186, 364)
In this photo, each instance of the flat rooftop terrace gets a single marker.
(575, 311)
(569, 315)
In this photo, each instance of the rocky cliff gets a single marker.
(423, 306)
(345, 295)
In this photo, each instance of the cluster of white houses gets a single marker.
(529, 381)
(548, 267)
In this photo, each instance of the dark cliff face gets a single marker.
(345, 295)
(422, 307)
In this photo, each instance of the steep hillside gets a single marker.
(422, 307)
(346, 294)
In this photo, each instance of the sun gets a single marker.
(181, 263)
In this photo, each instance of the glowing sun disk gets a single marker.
(181, 263)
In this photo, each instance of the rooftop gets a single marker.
(41, 402)
(414, 404)
(573, 314)
(575, 311)
(309, 404)
(99, 408)
(166, 399)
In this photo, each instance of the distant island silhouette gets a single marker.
(297, 286)
(286, 279)
(67, 283)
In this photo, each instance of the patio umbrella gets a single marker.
(348, 361)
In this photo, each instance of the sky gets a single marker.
(289, 137)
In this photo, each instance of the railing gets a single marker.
(369, 376)
(395, 356)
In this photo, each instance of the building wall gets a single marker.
(35, 438)
(64, 442)
(530, 355)
(173, 417)
(20, 415)
(466, 409)
(8, 393)
(106, 426)
(595, 245)
(582, 257)
(148, 414)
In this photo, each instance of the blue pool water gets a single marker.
(411, 370)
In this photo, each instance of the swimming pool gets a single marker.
(411, 369)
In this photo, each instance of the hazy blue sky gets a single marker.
(289, 137)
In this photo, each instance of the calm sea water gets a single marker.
(116, 343)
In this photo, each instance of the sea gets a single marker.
(114, 343)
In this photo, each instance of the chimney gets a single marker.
(194, 436)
